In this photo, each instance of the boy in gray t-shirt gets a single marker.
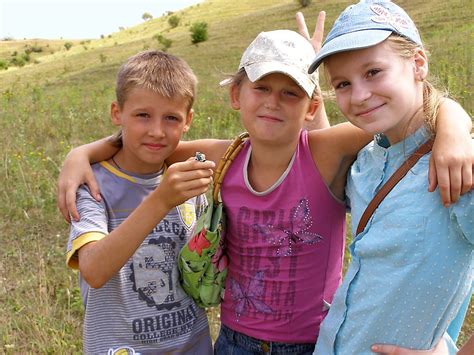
(126, 245)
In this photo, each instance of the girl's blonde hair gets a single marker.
(432, 97)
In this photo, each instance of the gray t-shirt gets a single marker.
(143, 306)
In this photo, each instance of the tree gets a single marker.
(147, 16)
(174, 21)
(68, 45)
(198, 32)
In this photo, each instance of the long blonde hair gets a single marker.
(432, 97)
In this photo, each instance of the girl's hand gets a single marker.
(76, 171)
(440, 349)
(185, 180)
(452, 159)
(318, 34)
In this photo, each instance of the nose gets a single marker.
(360, 93)
(272, 102)
(155, 128)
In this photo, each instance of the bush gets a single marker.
(304, 3)
(3, 64)
(174, 20)
(18, 61)
(165, 42)
(68, 45)
(198, 32)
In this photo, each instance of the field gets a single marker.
(61, 99)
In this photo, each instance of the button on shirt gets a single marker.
(411, 267)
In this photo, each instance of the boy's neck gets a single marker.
(128, 164)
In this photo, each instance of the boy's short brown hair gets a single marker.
(159, 72)
(162, 73)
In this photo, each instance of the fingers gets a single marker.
(318, 34)
(61, 202)
(467, 179)
(301, 25)
(432, 178)
(70, 197)
(384, 349)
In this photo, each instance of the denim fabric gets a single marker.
(231, 342)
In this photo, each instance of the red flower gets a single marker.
(199, 242)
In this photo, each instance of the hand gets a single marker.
(451, 169)
(318, 34)
(185, 180)
(76, 170)
(440, 349)
(452, 159)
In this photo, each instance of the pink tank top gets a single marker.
(285, 248)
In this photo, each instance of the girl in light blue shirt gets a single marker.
(412, 265)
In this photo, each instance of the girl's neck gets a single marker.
(406, 129)
(268, 163)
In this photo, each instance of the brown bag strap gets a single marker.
(391, 182)
(225, 162)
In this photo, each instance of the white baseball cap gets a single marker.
(281, 51)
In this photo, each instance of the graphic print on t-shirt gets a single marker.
(288, 237)
(270, 245)
(155, 274)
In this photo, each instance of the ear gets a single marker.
(420, 65)
(234, 93)
(312, 109)
(189, 119)
(115, 113)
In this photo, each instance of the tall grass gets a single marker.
(47, 108)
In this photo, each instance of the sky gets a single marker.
(77, 19)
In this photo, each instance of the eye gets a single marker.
(143, 115)
(291, 93)
(260, 88)
(373, 72)
(341, 85)
(172, 118)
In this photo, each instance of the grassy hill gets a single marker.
(61, 99)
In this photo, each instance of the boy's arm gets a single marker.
(100, 260)
(320, 118)
(76, 170)
(452, 159)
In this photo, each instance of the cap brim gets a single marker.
(257, 71)
(348, 42)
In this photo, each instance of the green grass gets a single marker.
(63, 101)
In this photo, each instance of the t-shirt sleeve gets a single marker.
(91, 227)
(463, 212)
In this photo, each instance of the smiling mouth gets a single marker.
(270, 118)
(154, 146)
(369, 111)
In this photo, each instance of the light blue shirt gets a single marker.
(412, 266)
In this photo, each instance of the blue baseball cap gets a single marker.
(366, 24)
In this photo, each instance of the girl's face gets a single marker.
(273, 109)
(378, 90)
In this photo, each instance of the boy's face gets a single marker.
(378, 90)
(272, 109)
(152, 126)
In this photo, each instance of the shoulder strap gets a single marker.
(225, 162)
(391, 182)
